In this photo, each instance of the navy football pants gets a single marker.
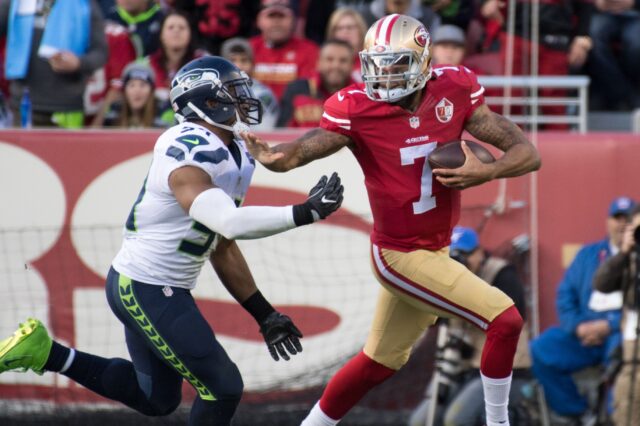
(168, 340)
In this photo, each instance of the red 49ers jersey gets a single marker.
(411, 210)
(121, 53)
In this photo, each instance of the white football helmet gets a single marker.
(396, 59)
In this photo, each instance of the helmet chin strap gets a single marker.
(238, 127)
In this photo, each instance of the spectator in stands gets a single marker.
(177, 47)
(564, 40)
(280, 57)
(584, 337)
(615, 70)
(53, 68)
(619, 273)
(138, 108)
(239, 52)
(449, 48)
(105, 86)
(348, 25)
(448, 45)
(379, 8)
(303, 101)
(142, 18)
(459, 359)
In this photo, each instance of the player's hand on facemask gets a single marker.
(281, 335)
(326, 197)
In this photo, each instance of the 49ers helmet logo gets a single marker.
(421, 36)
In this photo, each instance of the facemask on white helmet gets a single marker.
(391, 75)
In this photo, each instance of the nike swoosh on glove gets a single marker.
(326, 197)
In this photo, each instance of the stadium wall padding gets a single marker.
(65, 196)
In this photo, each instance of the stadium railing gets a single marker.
(575, 99)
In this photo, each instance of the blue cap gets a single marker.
(464, 239)
(621, 205)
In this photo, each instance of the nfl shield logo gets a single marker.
(444, 110)
(414, 122)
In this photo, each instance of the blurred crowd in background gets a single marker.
(97, 63)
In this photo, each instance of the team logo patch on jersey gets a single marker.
(421, 36)
(414, 122)
(444, 110)
(191, 141)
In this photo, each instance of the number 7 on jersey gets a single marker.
(408, 156)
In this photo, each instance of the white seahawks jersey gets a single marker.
(162, 244)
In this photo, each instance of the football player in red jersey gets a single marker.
(391, 123)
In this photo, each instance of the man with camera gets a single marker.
(621, 273)
(585, 336)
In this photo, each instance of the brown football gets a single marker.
(450, 155)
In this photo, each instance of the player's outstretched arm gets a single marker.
(313, 145)
(212, 207)
(520, 156)
(280, 334)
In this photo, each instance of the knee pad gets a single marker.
(508, 324)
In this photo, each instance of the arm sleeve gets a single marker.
(217, 211)
(508, 281)
(336, 115)
(96, 56)
(568, 297)
(608, 277)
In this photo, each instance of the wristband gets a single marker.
(258, 306)
(302, 214)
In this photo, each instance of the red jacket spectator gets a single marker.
(107, 79)
(280, 57)
(303, 101)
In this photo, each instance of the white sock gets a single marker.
(69, 361)
(317, 418)
(496, 400)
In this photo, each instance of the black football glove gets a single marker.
(280, 335)
(326, 197)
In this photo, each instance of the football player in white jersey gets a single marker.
(187, 211)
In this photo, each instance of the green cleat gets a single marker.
(27, 349)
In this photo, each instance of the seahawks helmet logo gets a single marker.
(197, 77)
(184, 83)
